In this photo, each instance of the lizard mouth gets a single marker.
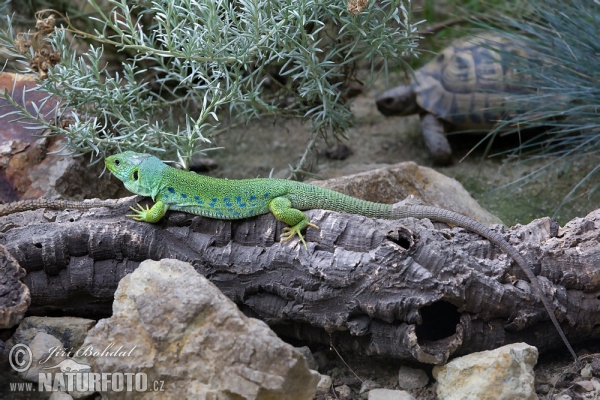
(110, 164)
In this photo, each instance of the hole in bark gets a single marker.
(403, 242)
(38, 245)
(439, 322)
(402, 237)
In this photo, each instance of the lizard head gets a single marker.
(136, 170)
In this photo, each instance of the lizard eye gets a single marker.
(117, 162)
(135, 175)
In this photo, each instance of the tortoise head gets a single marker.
(400, 101)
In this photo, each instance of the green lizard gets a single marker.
(174, 189)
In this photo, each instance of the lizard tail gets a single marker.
(453, 218)
(26, 205)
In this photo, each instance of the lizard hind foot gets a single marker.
(290, 231)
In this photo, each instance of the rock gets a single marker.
(342, 391)
(70, 331)
(29, 170)
(308, 356)
(324, 384)
(35, 173)
(503, 373)
(368, 385)
(563, 397)
(22, 85)
(60, 396)
(543, 388)
(14, 294)
(411, 378)
(43, 357)
(586, 372)
(388, 394)
(177, 327)
(587, 386)
(397, 182)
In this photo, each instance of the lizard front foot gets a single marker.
(290, 231)
(148, 214)
(141, 214)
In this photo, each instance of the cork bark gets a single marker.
(407, 289)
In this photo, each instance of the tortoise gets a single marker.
(464, 88)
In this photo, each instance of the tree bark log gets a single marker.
(402, 289)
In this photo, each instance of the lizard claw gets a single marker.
(290, 231)
(139, 214)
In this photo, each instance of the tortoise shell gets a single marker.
(467, 83)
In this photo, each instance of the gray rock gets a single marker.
(43, 356)
(543, 388)
(587, 386)
(368, 385)
(308, 356)
(586, 372)
(397, 182)
(178, 328)
(60, 396)
(342, 391)
(503, 373)
(563, 397)
(388, 394)
(34, 172)
(411, 378)
(70, 331)
(324, 384)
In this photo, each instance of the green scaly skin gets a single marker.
(174, 189)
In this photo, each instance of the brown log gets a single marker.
(403, 289)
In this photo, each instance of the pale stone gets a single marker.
(177, 327)
(43, 359)
(368, 385)
(586, 372)
(60, 396)
(310, 359)
(388, 394)
(503, 373)
(70, 331)
(586, 385)
(342, 391)
(563, 397)
(324, 384)
(411, 378)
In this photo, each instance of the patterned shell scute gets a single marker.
(466, 83)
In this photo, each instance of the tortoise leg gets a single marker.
(435, 139)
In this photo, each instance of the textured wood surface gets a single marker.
(402, 289)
